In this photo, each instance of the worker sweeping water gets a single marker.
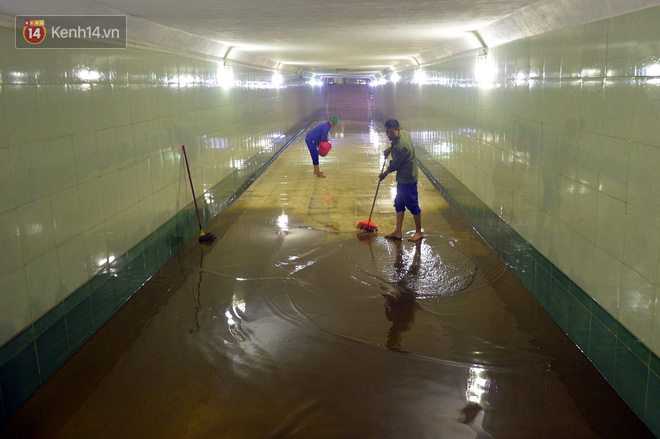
(405, 164)
(314, 138)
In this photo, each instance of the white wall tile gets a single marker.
(14, 304)
(37, 230)
(27, 162)
(143, 174)
(586, 211)
(552, 49)
(4, 134)
(121, 104)
(648, 42)
(591, 105)
(102, 101)
(642, 243)
(91, 203)
(644, 178)
(58, 167)
(7, 197)
(115, 236)
(53, 104)
(613, 168)
(73, 263)
(44, 284)
(11, 258)
(124, 146)
(645, 127)
(96, 249)
(583, 262)
(106, 150)
(525, 218)
(85, 156)
(607, 281)
(111, 194)
(22, 113)
(594, 49)
(562, 246)
(610, 229)
(80, 108)
(622, 45)
(67, 218)
(618, 107)
(156, 172)
(128, 186)
(588, 159)
(135, 230)
(655, 345)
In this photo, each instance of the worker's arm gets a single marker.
(400, 156)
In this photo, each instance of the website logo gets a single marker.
(34, 31)
(71, 31)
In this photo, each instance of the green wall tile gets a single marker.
(163, 250)
(78, 296)
(17, 344)
(559, 305)
(560, 277)
(527, 270)
(543, 288)
(579, 324)
(602, 346)
(53, 316)
(630, 379)
(102, 304)
(79, 324)
(655, 364)
(653, 404)
(581, 296)
(634, 344)
(605, 318)
(151, 260)
(52, 348)
(542, 261)
(19, 378)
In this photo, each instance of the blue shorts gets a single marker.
(406, 196)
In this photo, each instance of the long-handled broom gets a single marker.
(203, 237)
(368, 225)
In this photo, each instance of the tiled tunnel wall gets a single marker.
(94, 194)
(550, 146)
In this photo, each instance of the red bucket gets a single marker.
(324, 148)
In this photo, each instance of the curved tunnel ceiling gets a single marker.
(339, 37)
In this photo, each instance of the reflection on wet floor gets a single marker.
(294, 324)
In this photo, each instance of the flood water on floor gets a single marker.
(296, 325)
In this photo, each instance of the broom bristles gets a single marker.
(206, 237)
(367, 226)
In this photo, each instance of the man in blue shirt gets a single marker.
(317, 135)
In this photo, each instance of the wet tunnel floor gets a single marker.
(293, 324)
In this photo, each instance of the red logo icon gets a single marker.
(34, 31)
